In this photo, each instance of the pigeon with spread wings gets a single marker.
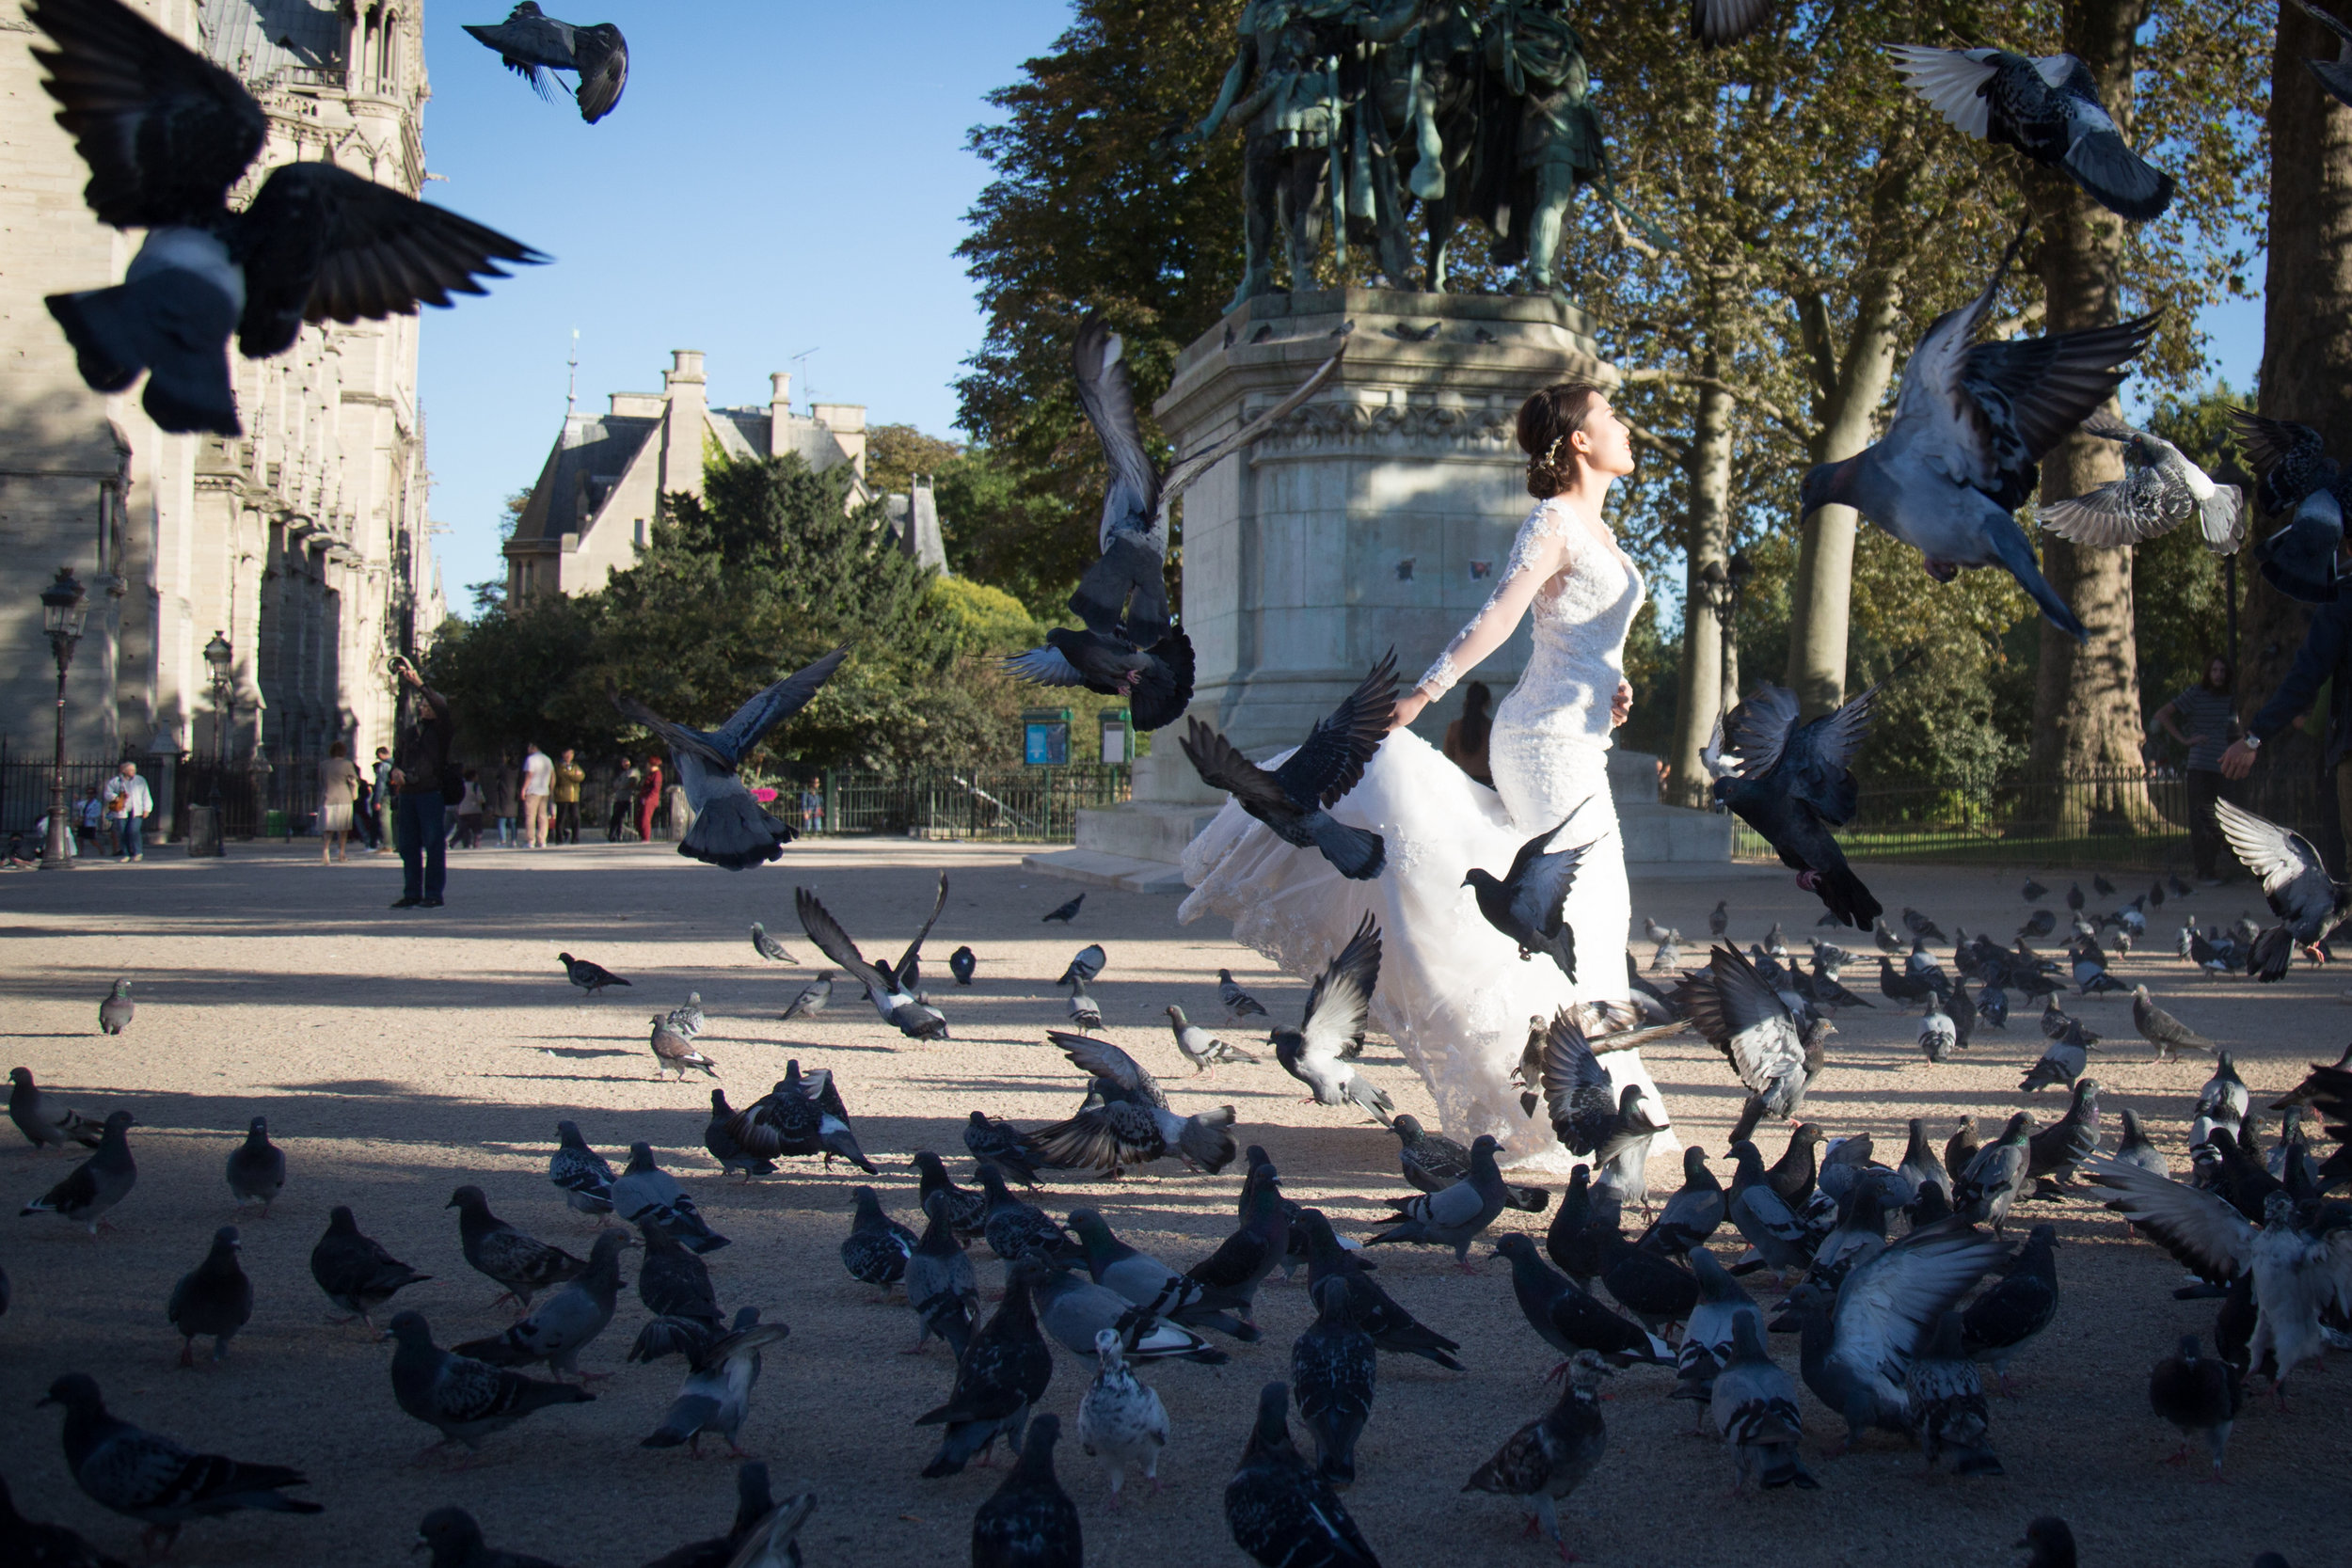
(2336, 75)
(1790, 782)
(1126, 1120)
(1972, 423)
(529, 43)
(166, 133)
(1588, 1113)
(1714, 23)
(1126, 647)
(2307, 902)
(1317, 1052)
(2295, 478)
(1743, 1016)
(1293, 798)
(731, 828)
(1528, 903)
(898, 1008)
(2160, 490)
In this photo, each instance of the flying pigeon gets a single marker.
(531, 42)
(896, 1005)
(1715, 23)
(166, 133)
(1003, 1145)
(464, 1400)
(98, 1183)
(1971, 422)
(716, 1396)
(1737, 1012)
(589, 977)
(1792, 782)
(731, 829)
(148, 1477)
(1132, 1125)
(769, 947)
(2307, 902)
(214, 1300)
(1528, 902)
(257, 1167)
(355, 1271)
(1127, 647)
(2047, 108)
(1294, 798)
(2295, 479)
(1337, 1008)
(1588, 1113)
(46, 1121)
(1280, 1509)
(116, 1009)
(2160, 490)
(1121, 1420)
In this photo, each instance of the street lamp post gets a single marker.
(63, 608)
(221, 657)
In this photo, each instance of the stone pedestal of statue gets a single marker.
(1374, 516)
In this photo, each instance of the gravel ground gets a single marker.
(400, 1054)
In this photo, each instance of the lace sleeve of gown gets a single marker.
(1544, 548)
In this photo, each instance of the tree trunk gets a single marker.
(1706, 543)
(2087, 695)
(2307, 338)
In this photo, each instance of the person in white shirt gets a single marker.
(538, 779)
(129, 804)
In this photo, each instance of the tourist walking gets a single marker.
(624, 801)
(1466, 737)
(420, 774)
(569, 776)
(2207, 710)
(129, 804)
(812, 807)
(648, 799)
(380, 808)
(538, 779)
(469, 812)
(90, 818)
(339, 794)
(500, 793)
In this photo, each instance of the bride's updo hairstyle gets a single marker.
(1545, 423)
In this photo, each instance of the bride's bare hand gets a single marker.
(1407, 709)
(1621, 706)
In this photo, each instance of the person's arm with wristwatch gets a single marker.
(2314, 662)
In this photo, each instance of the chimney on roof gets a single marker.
(779, 413)
(686, 364)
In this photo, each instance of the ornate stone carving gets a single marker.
(1431, 426)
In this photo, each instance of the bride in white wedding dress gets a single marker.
(1452, 992)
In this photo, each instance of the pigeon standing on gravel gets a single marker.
(1754, 1404)
(730, 827)
(566, 1322)
(1143, 1280)
(1333, 1268)
(1085, 1014)
(811, 1000)
(2004, 1319)
(1566, 1318)
(148, 1477)
(98, 1183)
(1338, 1007)
(1946, 1403)
(1294, 799)
(1456, 1215)
(1030, 1521)
(1548, 1458)
(718, 1138)
(686, 1019)
(1121, 1420)
(590, 977)
(583, 1175)
(769, 947)
(1014, 1228)
(644, 1194)
(2048, 109)
(1012, 1150)
(355, 1271)
(1335, 1368)
(257, 1167)
(2199, 1394)
(464, 1400)
(940, 1284)
(1201, 1048)
(530, 43)
(1937, 1035)
(520, 1264)
(1239, 1004)
(1072, 1310)
(674, 1052)
(214, 1299)
(1433, 1163)
(674, 1285)
(46, 1121)
(1065, 913)
(877, 1247)
(2307, 902)
(963, 963)
(1993, 1179)
(116, 1009)
(999, 1379)
(1280, 1509)
(2168, 1035)
(717, 1393)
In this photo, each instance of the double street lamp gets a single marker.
(63, 609)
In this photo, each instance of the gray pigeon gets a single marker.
(1144, 1281)
(530, 43)
(46, 1121)
(148, 1477)
(2138, 1149)
(1085, 966)
(1433, 1163)
(455, 1541)
(769, 947)
(565, 1323)
(590, 977)
(465, 1400)
(730, 828)
(1030, 1521)
(257, 1167)
(1946, 1399)
(892, 1001)
(717, 1393)
(116, 1010)
(1919, 1168)
(718, 1138)
(687, 1018)
(2307, 902)
(674, 1285)
(1121, 1420)
(645, 1194)
(2160, 490)
(1760, 1214)
(2168, 1035)
(1937, 1035)
(1455, 1216)
(1201, 1048)
(98, 1183)
(213, 1299)
(1239, 1004)
(1754, 1406)
(1133, 1124)
(1858, 1346)
(999, 1378)
(521, 1263)
(754, 1502)
(1072, 1312)
(1335, 1368)
(1548, 1458)
(877, 1247)
(1983, 1192)
(582, 1173)
(2049, 110)
(1338, 1007)
(2198, 1394)
(1706, 1335)
(1085, 1012)
(355, 1271)
(940, 1284)
(812, 998)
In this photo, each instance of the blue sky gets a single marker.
(780, 176)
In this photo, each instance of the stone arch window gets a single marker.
(387, 56)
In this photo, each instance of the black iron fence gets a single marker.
(1021, 804)
(2127, 817)
(25, 783)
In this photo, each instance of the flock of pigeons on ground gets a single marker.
(1895, 1274)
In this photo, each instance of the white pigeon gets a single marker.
(2160, 490)
(1122, 1421)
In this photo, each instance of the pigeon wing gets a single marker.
(2291, 870)
(1819, 758)
(1953, 81)
(1887, 1303)
(1104, 391)
(1102, 1059)
(1332, 759)
(1221, 766)
(1762, 1040)
(2271, 445)
(1340, 1003)
(1576, 1089)
(165, 132)
(915, 948)
(2194, 1226)
(601, 57)
(1760, 728)
(2027, 394)
(1720, 22)
(1540, 880)
(835, 943)
(1047, 666)
(2121, 511)
(772, 706)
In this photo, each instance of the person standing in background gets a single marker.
(501, 792)
(90, 819)
(812, 807)
(569, 776)
(538, 778)
(1466, 737)
(423, 778)
(648, 799)
(381, 806)
(2207, 709)
(129, 804)
(469, 812)
(339, 794)
(624, 789)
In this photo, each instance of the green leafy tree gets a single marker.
(895, 454)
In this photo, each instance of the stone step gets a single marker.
(1095, 868)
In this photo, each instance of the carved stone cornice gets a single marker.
(1338, 425)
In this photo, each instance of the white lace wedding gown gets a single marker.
(1454, 992)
